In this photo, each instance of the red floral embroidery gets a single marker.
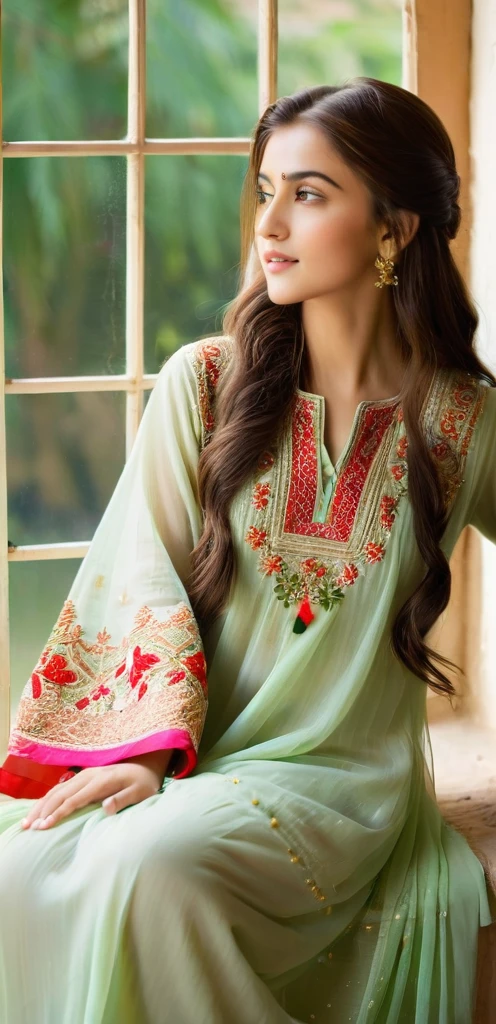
(455, 416)
(401, 447)
(261, 495)
(374, 552)
(85, 695)
(309, 564)
(255, 538)
(387, 510)
(452, 412)
(175, 677)
(140, 664)
(271, 564)
(55, 669)
(35, 685)
(102, 691)
(197, 666)
(209, 360)
(348, 576)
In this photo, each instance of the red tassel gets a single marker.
(304, 616)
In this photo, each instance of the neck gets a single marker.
(351, 347)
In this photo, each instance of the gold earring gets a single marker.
(385, 268)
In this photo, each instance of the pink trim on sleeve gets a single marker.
(39, 754)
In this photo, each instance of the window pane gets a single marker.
(64, 456)
(201, 69)
(65, 268)
(37, 591)
(330, 43)
(192, 248)
(64, 70)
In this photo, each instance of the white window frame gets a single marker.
(135, 147)
(424, 29)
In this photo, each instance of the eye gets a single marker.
(301, 191)
(304, 191)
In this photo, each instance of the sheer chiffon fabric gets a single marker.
(297, 867)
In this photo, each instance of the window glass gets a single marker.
(65, 453)
(64, 70)
(64, 265)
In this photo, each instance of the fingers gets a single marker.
(66, 794)
(42, 808)
(118, 801)
(117, 786)
(53, 813)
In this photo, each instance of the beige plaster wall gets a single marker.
(483, 285)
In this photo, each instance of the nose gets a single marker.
(272, 223)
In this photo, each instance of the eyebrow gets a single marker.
(297, 175)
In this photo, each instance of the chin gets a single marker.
(285, 297)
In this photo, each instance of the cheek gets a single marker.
(342, 242)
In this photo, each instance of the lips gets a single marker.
(274, 253)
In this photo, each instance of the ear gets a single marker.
(408, 224)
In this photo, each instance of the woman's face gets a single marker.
(326, 226)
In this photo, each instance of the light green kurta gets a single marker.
(302, 870)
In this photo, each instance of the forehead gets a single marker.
(300, 147)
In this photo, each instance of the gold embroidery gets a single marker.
(211, 356)
(449, 424)
(317, 560)
(334, 564)
(450, 411)
(92, 696)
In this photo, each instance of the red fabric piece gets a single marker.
(28, 780)
(305, 612)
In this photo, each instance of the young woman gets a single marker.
(282, 529)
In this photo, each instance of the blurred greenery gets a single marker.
(65, 77)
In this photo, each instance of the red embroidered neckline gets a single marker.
(370, 424)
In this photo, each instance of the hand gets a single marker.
(119, 785)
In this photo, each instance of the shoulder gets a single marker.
(190, 377)
(199, 361)
(452, 417)
(209, 359)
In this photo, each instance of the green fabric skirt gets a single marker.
(191, 908)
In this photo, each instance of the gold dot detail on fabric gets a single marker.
(99, 581)
(296, 859)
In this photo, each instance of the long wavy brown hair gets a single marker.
(402, 152)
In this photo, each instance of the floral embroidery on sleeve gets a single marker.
(95, 696)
